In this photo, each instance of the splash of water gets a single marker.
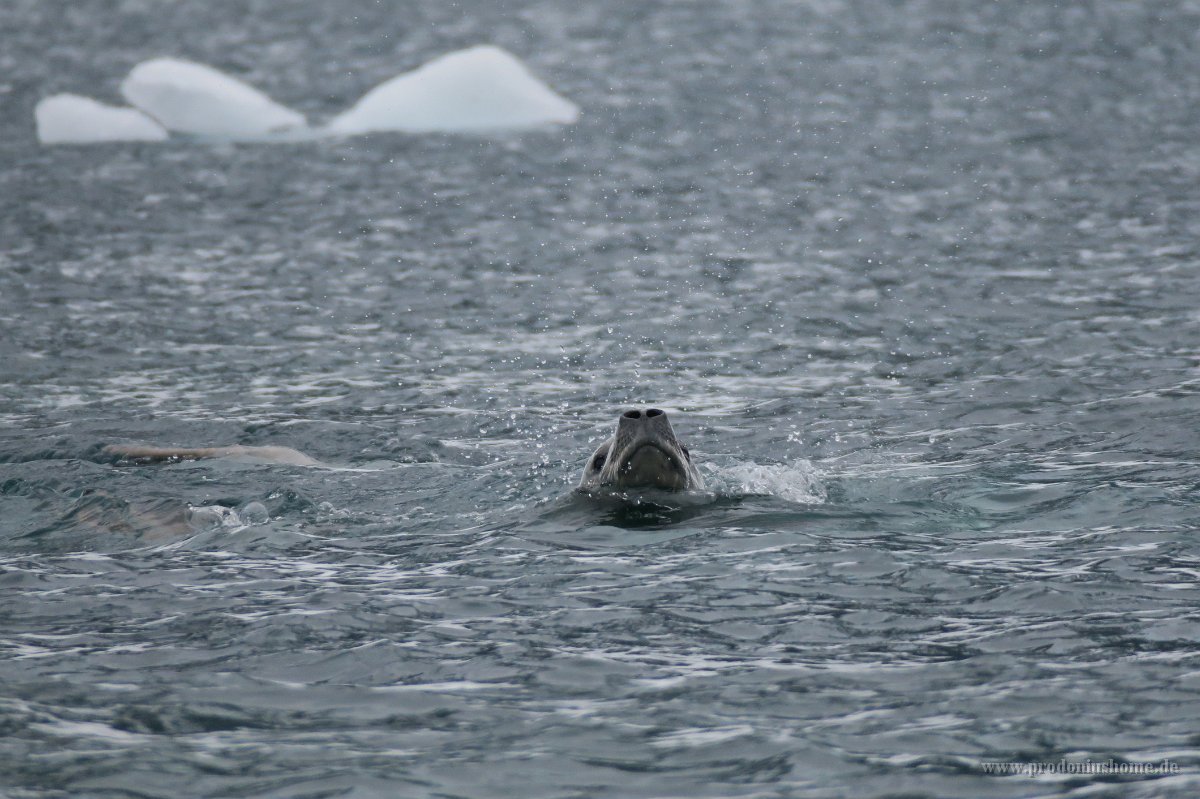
(797, 481)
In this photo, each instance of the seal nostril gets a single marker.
(632, 414)
(650, 414)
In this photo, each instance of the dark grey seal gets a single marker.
(644, 453)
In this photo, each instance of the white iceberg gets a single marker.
(478, 89)
(193, 98)
(71, 119)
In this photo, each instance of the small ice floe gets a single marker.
(255, 513)
(209, 517)
(71, 119)
(191, 98)
(479, 89)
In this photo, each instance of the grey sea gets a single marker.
(917, 282)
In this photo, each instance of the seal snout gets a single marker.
(636, 428)
(645, 453)
(636, 414)
(650, 422)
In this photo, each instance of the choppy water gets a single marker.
(917, 280)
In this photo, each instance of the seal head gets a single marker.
(644, 453)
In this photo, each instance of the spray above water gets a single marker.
(797, 481)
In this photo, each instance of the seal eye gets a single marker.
(598, 462)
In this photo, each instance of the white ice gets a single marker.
(71, 119)
(193, 98)
(207, 517)
(478, 89)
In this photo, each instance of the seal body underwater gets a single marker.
(285, 455)
(643, 453)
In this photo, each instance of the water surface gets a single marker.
(917, 282)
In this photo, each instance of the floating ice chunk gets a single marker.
(255, 513)
(210, 517)
(71, 119)
(478, 89)
(197, 99)
(207, 517)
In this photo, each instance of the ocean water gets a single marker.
(917, 282)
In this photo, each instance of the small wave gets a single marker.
(798, 481)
